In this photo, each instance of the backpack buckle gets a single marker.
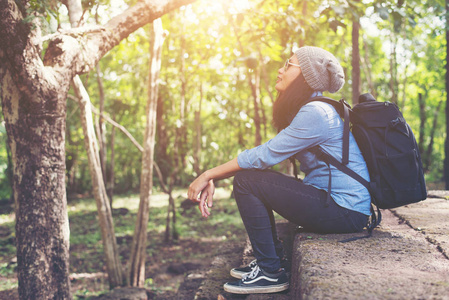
(343, 101)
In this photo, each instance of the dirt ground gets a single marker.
(166, 265)
(164, 271)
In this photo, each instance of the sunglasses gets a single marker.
(287, 64)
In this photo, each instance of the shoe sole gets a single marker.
(256, 290)
(237, 274)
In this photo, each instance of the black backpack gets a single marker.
(390, 150)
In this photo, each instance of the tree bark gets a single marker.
(78, 50)
(9, 169)
(35, 123)
(356, 88)
(36, 139)
(138, 249)
(33, 96)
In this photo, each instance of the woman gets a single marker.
(259, 192)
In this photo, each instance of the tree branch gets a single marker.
(21, 45)
(69, 52)
(76, 32)
(113, 123)
(94, 45)
(133, 140)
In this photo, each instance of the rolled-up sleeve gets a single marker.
(309, 128)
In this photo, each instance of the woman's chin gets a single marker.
(278, 86)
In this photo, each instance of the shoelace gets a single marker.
(253, 273)
(253, 264)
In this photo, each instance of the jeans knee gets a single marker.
(240, 179)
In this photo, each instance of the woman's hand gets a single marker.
(202, 190)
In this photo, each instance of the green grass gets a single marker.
(198, 238)
(8, 284)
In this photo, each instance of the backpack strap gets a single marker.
(295, 167)
(329, 159)
(345, 154)
(344, 110)
(375, 219)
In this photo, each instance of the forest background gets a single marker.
(218, 67)
(217, 53)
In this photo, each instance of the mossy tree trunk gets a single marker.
(33, 94)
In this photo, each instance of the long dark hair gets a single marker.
(290, 101)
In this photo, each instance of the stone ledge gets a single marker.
(397, 262)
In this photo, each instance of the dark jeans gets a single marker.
(259, 193)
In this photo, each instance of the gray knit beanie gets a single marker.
(321, 69)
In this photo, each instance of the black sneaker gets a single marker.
(259, 281)
(239, 273)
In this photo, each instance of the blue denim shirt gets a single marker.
(317, 123)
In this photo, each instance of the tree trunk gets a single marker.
(197, 146)
(264, 116)
(446, 143)
(162, 138)
(393, 68)
(95, 154)
(171, 211)
(254, 88)
(301, 22)
(113, 264)
(422, 119)
(183, 108)
(429, 150)
(256, 101)
(138, 249)
(101, 126)
(9, 170)
(265, 79)
(35, 114)
(111, 177)
(356, 88)
(35, 124)
(367, 68)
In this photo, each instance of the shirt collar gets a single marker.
(316, 94)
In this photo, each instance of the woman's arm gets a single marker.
(204, 187)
